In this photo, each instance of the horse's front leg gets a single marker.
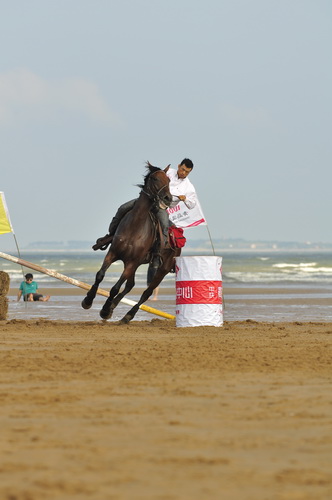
(90, 296)
(114, 298)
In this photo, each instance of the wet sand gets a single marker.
(268, 303)
(93, 410)
(228, 291)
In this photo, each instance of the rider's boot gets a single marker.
(156, 260)
(102, 243)
(153, 267)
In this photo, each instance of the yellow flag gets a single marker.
(5, 224)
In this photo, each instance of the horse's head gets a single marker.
(156, 186)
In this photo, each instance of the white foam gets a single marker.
(283, 265)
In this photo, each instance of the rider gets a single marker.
(181, 190)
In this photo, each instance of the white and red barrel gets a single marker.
(199, 291)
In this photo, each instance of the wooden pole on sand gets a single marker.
(80, 284)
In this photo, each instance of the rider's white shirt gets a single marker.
(181, 187)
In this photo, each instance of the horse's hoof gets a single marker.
(125, 320)
(105, 315)
(85, 304)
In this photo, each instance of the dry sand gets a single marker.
(103, 411)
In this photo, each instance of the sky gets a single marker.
(92, 89)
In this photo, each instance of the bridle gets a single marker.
(155, 197)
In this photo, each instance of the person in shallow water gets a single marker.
(28, 289)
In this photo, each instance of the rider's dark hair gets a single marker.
(28, 276)
(188, 163)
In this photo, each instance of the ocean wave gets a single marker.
(283, 265)
(237, 268)
(273, 277)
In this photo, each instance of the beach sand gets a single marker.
(102, 411)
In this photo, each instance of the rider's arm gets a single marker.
(190, 200)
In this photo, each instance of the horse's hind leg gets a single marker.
(90, 296)
(159, 276)
(129, 285)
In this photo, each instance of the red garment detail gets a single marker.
(176, 237)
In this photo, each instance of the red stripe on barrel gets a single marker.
(199, 292)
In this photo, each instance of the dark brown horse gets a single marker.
(134, 243)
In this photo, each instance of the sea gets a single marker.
(259, 285)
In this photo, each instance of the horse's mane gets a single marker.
(151, 169)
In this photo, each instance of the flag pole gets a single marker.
(19, 255)
(207, 227)
(214, 253)
(18, 251)
(6, 225)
